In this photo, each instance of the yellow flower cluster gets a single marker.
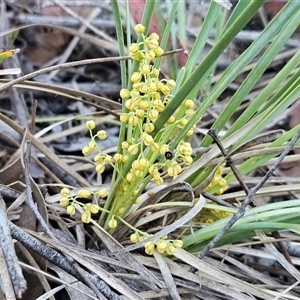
(219, 181)
(209, 216)
(162, 245)
(69, 202)
(101, 159)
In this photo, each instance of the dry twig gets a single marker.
(249, 198)
(18, 282)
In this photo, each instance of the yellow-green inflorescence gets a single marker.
(162, 245)
(146, 158)
(208, 215)
(218, 181)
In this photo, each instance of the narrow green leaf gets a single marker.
(196, 79)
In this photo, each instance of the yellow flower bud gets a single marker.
(188, 160)
(222, 182)
(160, 85)
(143, 88)
(118, 157)
(163, 149)
(161, 246)
(148, 127)
(138, 173)
(129, 104)
(100, 168)
(140, 113)
(124, 118)
(144, 104)
(153, 114)
(133, 48)
(136, 86)
(71, 210)
(133, 120)
(190, 132)
(154, 36)
(136, 165)
(149, 56)
(86, 217)
(187, 151)
(133, 149)
(134, 237)
(189, 113)
(153, 44)
(108, 159)
(137, 101)
(154, 147)
(136, 77)
(155, 72)
(152, 87)
(144, 163)
(98, 159)
(171, 84)
(129, 177)
(125, 145)
(145, 69)
(148, 140)
(158, 51)
(183, 122)
(84, 193)
(101, 134)
(86, 150)
(177, 243)
(155, 96)
(170, 249)
(189, 104)
(125, 158)
(137, 56)
(90, 125)
(149, 245)
(171, 120)
(139, 28)
(141, 238)
(157, 103)
(65, 192)
(149, 251)
(124, 93)
(92, 145)
(102, 193)
(94, 208)
(178, 169)
(112, 223)
(64, 201)
(172, 171)
(137, 201)
(153, 170)
(165, 90)
(158, 180)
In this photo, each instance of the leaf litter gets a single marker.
(87, 263)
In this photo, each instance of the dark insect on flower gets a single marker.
(169, 155)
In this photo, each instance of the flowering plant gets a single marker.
(159, 117)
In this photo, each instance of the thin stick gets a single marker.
(212, 132)
(248, 199)
(28, 199)
(217, 199)
(33, 116)
(70, 65)
(6, 243)
(59, 260)
(240, 179)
